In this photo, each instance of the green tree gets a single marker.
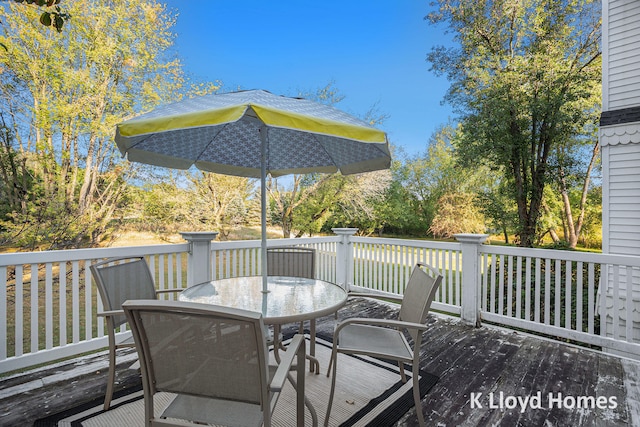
(573, 180)
(51, 14)
(15, 182)
(498, 208)
(457, 213)
(285, 200)
(437, 172)
(359, 201)
(591, 234)
(215, 202)
(525, 77)
(402, 210)
(197, 201)
(63, 93)
(318, 206)
(160, 207)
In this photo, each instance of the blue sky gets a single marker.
(373, 51)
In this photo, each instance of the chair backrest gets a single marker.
(419, 294)
(200, 350)
(291, 261)
(122, 279)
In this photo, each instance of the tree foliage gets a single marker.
(198, 201)
(573, 181)
(62, 95)
(51, 14)
(215, 202)
(498, 208)
(457, 213)
(427, 177)
(284, 199)
(360, 202)
(525, 77)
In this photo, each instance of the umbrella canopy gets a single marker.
(252, 134)
(220, 133)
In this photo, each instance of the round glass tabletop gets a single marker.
(290, 299)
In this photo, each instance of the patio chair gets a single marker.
(291, 261)
(384, 338)
(118, 280)
(295, 261)
(215, 360)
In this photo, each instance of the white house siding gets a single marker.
(620, 149)
(621, 222)
(624, 198)
(621, 65)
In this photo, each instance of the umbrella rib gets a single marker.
(319, 140)
(145, 137)
(199, 156)
(377, 147)
(333, 161)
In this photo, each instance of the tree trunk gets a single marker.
(575, 228)
(506, 235)
(84, 198)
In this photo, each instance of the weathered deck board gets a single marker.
(491, 360)
(467, 360)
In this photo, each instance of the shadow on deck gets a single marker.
(486, 375)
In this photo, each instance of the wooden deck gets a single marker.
(562, 385)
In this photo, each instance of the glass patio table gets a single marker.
(289, 300)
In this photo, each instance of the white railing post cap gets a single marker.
(345, 231)
(199, 236)
(471, 238)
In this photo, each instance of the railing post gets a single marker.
(199, 259)
(344, 257)
(470, 312)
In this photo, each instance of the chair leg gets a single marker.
(111, 378)
(334, 361)
(307, 402)
(315, 365)
(416, 394)
(403, 377)
(312, 410)
(333, 356)
(149, 412)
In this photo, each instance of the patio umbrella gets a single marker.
(251, 134)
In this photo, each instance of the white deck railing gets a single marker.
(384, 265)
(52, 314)
(242, 258)
(577, 296)
(47, 311)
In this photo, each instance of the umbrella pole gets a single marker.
(263, 202)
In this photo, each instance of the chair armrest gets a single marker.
(110, 313)
(374, 295)
(293, 349)
(164, 291)
(380, 322)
